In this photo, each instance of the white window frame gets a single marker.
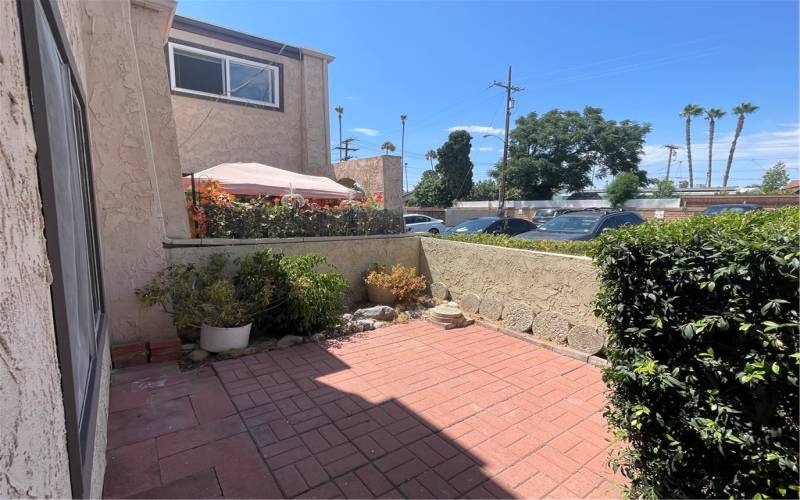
(226, 60)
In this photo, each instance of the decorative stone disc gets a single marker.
(439, 291)
(517, 316)
(551, 326)
(470, 303)
(587, 339)
(447, 313)
(491, 307)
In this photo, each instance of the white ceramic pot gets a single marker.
(216, 339)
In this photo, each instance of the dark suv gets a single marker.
(544, 215)
(582, 224)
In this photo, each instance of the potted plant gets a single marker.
(401, 284)
(206, 298)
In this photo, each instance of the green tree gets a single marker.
(430, 191)
(624, 187)
(741, 110)
(339, 111)
(688, 112)
(712, 115)
(484, 190)
(665, 188)
(560, 150)
(430, 156)
(387, 147)
(775, 179)
(454, 165)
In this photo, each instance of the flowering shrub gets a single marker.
(403, 282)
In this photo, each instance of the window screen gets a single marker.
(199, 72)
(252, 82)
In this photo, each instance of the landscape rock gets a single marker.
(364, 325)
(586, 339)
(379, 313)
(427, 303)
(470, 303)
(318, 337)
(198, 355)
(491, 307)
(289, 340)
(551, 326)
(518, 316)
(347, 317)
(439, 291)
(380, 324)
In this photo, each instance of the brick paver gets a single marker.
(408, 411)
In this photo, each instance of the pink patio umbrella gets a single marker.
(256, 178)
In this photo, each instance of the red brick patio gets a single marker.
(406, 411)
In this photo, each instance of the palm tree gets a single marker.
(688, 112)
(743, 109)
(403, 147)
(431, 155)
(387, 147)
(712, 115)
(340, 110)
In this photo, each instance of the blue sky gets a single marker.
(641, 60)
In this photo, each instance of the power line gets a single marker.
(510, 89)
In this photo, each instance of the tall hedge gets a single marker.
(702, 321)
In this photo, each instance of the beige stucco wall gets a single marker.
(150, 39)
(377, 174)
(351, 256)
(549, 282)
(125, 173)
(297, 138)
(33, 452)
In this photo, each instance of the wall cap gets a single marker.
(538, 252)
(216, 242)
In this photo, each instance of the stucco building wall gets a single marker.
(211, 132)
(33, 449)
(352, 256)
(548, 282)
(378, 174)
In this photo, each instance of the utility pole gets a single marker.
(339, 110)
(403, 149)
(501, 199)
(672, 152)
(346, 148)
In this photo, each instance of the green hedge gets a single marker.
(703, 349)
(250, 220)
(501, 240)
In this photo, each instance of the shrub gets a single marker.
(502, 240)
(703, 349)
(308, 299)
(624, 187)
(403, 281)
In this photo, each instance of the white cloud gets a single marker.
(485, 149)
(754, 154)
(367, 131)
(477, 129)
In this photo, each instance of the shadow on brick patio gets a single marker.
(406, 411)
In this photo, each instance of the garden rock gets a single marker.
(364, 325)
(198, 355)
(470, 303)
(379, 313)
(551, 326)
(318, 337)
(439, 291)
(518, 316)
(289, 340)
(491, 307)
(427, 303)
(380, 324)
(586, 339)
(347, 317)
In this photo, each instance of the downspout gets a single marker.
(303, 122)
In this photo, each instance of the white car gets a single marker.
(416, 223)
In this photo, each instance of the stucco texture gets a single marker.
(33, 453)
(125, 174)
(378, 174)
(547, 282)
(211, 132)
(352, 256)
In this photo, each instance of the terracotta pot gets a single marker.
(216, 339)
(380, 295)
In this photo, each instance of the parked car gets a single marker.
(492, 225)
(417, 223)
(582, 225)
(730, 207)
(544, 215)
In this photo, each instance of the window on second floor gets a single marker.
(210, 74)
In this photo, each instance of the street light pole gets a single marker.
(501, 198)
